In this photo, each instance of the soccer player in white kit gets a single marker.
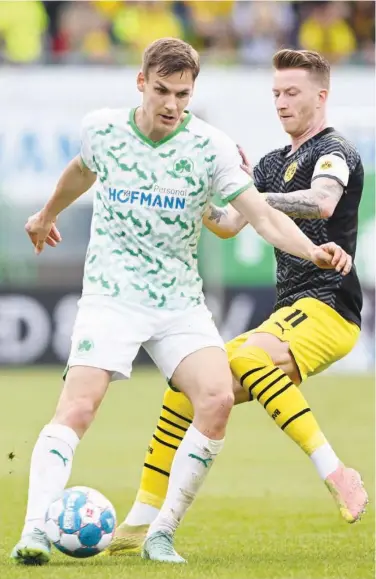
(155, 170)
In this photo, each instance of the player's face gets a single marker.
(298, 98)
(165, 98)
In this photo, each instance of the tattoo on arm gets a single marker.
(309, 203)
(216, 213)
(299, 204)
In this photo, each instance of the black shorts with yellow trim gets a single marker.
(317, 335)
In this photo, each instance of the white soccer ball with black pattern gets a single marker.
(81, 522)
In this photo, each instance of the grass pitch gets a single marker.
(263, 512)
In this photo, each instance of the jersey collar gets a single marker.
(287, 149)
(156, 144)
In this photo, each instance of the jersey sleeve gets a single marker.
(229, 180)
(259, 175)
(335, 159)
(86, 152)
(91, 124)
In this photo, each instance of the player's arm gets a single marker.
(75, 180)
(275, 227)
(318, 202)
(279, 230)
(330, 176)
(235, 187)
(225, 222)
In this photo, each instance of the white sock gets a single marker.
(141, 514)
(51, 465)
(325, 460)
(190, 466)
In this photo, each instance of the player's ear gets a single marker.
(141, 81)
(322, 97)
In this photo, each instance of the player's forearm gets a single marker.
(75, 180)
(279, 230)
(275, 227)
(304, 203)
(225, 222)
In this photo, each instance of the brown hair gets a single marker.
(305, 59)
(170, 55)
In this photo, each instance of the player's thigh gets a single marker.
(231, 347)
(278, 351)
(108, 336)
(322, 336)
(190, 353)
(314, 333)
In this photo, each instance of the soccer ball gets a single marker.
(81, 522)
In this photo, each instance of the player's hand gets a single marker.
(42, 230)
(246, 165)
(332, 256)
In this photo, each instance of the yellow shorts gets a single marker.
(317, 335)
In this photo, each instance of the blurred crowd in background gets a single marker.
(225, 32)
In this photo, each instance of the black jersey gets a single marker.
(280, 171)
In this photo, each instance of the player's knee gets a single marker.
(82, 394)
(278, 351)
(216, 405)
(248, 357)
(253, 355)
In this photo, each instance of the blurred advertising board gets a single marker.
(35, 327)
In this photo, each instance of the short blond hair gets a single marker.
(170, 55)
(308, 60)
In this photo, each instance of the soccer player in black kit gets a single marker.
(318, 181)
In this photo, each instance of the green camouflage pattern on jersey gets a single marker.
(149, 200)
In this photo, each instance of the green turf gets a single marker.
(263, 512)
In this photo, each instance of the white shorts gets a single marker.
(108, 335)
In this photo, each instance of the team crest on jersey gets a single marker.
(290, 171)
(84, 346)
(326, 165)
(183, 166)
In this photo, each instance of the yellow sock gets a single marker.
(282, 400)
(176, 416)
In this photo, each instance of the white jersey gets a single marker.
(150, 198)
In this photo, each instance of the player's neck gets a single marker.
(146, 127)
(311, 131)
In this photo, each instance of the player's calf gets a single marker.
(205, 377)
(52, 457)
